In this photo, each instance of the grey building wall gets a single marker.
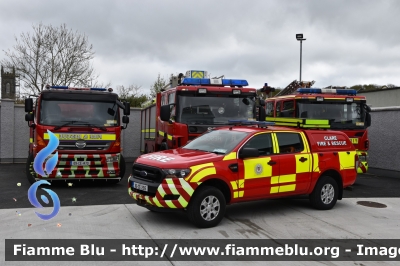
(382, 98)
(384, 151)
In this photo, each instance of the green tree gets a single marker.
(158, 85)
(132, 94)
(51, 55)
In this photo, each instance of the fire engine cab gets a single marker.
(191, 105)
(86, 122)
(242, 163)
(334, 108)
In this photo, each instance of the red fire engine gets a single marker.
(87, 123)
(194, 104)
(236, 164)
(334, 108)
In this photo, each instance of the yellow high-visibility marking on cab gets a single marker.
(76, 136)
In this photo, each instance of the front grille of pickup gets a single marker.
(148, 173)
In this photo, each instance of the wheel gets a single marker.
(29, 169)
(163, 146)
(325, 193)
(122, 166)
(207, 207)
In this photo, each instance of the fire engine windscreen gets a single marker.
(211, 110)
(79, 113)
(217, 141)
(342, 115)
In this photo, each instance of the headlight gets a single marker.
(176, 173)
(112, 159)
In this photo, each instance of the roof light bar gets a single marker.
(330, 91)
(71, 88)
(251, 122)
(225, 82)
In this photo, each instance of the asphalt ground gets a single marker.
(99, 192)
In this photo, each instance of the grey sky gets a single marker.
(348, 42)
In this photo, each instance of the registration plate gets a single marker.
(80, 163)
(140, 186)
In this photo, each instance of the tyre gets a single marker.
(29, 169)
(207, 207)
(325, 193)
(163, 146)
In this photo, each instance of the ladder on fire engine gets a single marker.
(293, 86)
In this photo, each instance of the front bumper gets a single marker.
(171, 193)
(84, 166)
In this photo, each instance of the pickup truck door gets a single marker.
(255, 173)
(294, 159)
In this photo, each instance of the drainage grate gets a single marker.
(371, 204)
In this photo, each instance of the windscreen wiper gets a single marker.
(66, 124)
(82, 123)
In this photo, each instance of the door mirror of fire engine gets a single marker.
(125, 119)
(367, 108)
(29, 117)
(261, 113)
(261, 102)
(28, 105)
(127, 109)
(368, 120)
(248, 153)
(165, 113)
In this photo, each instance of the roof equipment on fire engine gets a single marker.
(330, 91)
(293, 86)
(251, 122)
(73, 88)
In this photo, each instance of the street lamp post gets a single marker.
(300, 38)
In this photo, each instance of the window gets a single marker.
(289, 142)
(261, 142)
(287, 109)
(278, 109)
(270, 109)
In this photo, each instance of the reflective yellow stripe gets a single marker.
(274, 190)
(31, 140)
(161, 133)
(170, 204)
(161, 191)
(71, 136)
(203, 173)
(275, 142)
(241, 193)
(354, 140)
(275, 180)
(198, 167)
(149, 130)
(287, 188)
(287, 178)
(250, 166)
(303, 167)
(235, 194)
(347, 159)
(234, 185)
(305, 142)
(315, 162)
(316, 121)
(169, 137)
(230, 156)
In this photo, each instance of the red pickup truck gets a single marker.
(240, 163)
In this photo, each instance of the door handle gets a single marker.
(303, 159)
(271, 162)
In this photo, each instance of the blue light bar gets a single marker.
(330, 91)
(234, 82)
(59, 87)
(225, 82)
(98, 89)
(251, 122)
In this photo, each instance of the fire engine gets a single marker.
(242, 163)
(335, 108)
(87, 123)
(192, 105)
